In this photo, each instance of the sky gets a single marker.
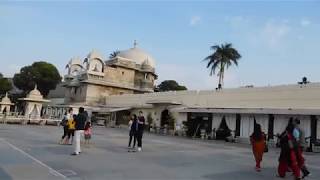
(278, 40)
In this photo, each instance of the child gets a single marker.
(71, 128)
(87, 132)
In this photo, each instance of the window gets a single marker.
(122, 72)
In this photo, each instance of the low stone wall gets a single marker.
(24, 121)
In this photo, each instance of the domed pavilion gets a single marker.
(33, 103)
(131, 71)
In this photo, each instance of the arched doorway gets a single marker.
(223, 131)
(34, 111)
(164, 117)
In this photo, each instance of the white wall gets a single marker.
(282, 97)
(246, 127)
(280, 123)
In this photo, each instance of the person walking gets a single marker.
(71, 124)
(133, 129)
(80, 120)
(288, 154)
(64, 124)
(141, 123)
(299, 135)
(258, 145)
(87, 133)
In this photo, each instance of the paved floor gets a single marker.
(32, 152)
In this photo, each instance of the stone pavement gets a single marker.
(33, 152)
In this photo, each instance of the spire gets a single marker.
(135, 44)
(35, 86)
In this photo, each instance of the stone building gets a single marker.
(90, 81)
(124, 84)
(33, 103)
(5, 104)
(271, 107)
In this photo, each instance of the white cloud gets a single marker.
(194, 20)
(305, 22)
(273, 33)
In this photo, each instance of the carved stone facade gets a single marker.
(90, 81)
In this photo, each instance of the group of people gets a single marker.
(292, 144)
(75, 126)
(136, 128)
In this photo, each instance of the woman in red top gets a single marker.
(258, 145)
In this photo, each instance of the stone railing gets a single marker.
(7, 119)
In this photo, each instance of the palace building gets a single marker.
(112, 89)
(91, 80)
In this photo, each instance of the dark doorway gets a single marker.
(223, 131)
(122, 117)
(270, 126)
(313, 126)
(198, 121)
(238, 124)
(164, 117)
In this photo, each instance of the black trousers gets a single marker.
(70, 133)
(134, 140)
(65, 132)
(139, 138)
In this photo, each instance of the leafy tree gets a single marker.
(114, 54)
(5, 85)
(170, 85)
(222, 58)
(44, 74)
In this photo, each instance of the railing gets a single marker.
(7, 119)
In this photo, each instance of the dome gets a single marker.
(5, 100)
(138, 56)
(35, 93)
(94, 54)
(75, 60)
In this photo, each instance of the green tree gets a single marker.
(5, 85)
(222, 58)
(170, 85)
(44, 74)
(114, 54)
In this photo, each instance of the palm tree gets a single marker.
(222, 58)
(114, 54)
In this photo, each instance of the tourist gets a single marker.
(71, 128)
(141, 122)
(299, 134)
(64, 124)
(87, 132)
(133, 130)
(80, 123)
(288, 157)
(258, 145)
